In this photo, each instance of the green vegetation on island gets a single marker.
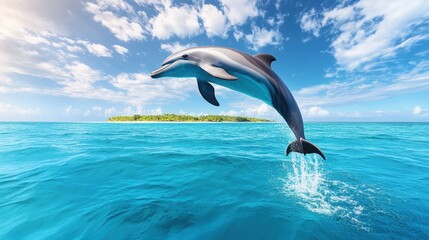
(184, 118)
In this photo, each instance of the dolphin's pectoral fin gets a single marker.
(304, 147)
(266, 58)
(207, 91)
(217, 72)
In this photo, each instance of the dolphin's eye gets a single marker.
(185, 56)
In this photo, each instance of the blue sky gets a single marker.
(88, 60)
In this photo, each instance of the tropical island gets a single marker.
(184, 118)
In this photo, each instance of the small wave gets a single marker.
(307, 182)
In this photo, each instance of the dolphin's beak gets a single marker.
(157, 72)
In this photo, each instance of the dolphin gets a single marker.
(251, 75)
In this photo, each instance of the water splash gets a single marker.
(311, 186)
(306, 180)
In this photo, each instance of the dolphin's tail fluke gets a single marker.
(303, 146)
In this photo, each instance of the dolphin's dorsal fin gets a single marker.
(266, 58)
(207, 91)
(217, 72)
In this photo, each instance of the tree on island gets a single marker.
(184, 118)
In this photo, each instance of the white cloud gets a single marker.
(19, 16)
(156, 111)
(329, 75)
(238, 11)
(337, 15)
(116, 4)
(44, 55)
(96, 110)
(260, 110)
(83, 73)
(121, 50)
(71, 111)
(176, 46)
(122, 27)
(214, 21)
(53, 58)
(161, 90)
(238, 34)
(113, 111)
(48, 55)
(377, 115)
(229, 113)
(79, 80)
(370, 31)
(110, 112)
(5, 80)
(354, 114)
(7, 110)
(34, 39)
(250, 107)
(261, 37)
(184, 20)
(278, 4)
(364, 89)
(73, 48)
(315, 112)
(159, 5)
(98, 50)
(276, 20)
(179, 21)
(56, 62)
(310, 23)
(417, 110)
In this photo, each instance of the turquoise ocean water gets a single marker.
(213, 181)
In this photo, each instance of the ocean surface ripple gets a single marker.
(213, 181)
